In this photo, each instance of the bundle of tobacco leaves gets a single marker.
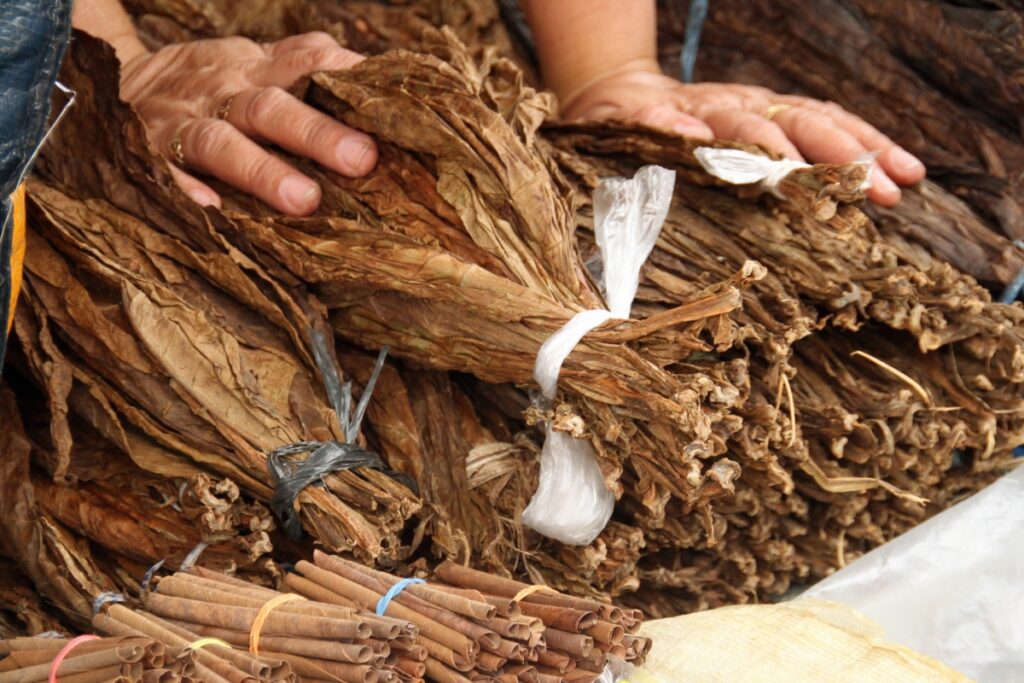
(797, 384)
(944, 79)
(21, 608)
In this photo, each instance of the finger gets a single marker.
(302, 41)
(669, 118)
(899, 164)
(201, 193)
(219, 149)
(821, 139)
(746, 126)
(272, 114)
(291, 66)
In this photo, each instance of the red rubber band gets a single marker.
(59, 659)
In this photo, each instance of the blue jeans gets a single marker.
(33, 35)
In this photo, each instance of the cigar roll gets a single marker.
(516, 630)
(639, 645)
(576, 644)
(606, 632)
(314, 591)
(322, 668)
(446, 655)
(411, 667)
(491, 663)
(559, 661)
(440, 673)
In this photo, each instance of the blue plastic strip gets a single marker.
(382, 604)
(105, 598)
(691, 41)
(148, 576)
(1012, 290)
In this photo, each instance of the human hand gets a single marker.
(796, 127)
(206, 103)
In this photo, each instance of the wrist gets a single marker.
(128, 48)
(572, 88)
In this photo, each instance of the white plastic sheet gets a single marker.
(572, 504)
(951, 588)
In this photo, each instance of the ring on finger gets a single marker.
(774, 110)
(224, 110)
(177, 150)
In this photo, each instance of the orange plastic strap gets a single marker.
(59, 659)
(530, 590)
(261, 618)
(17, 249)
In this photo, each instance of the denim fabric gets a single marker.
(33, 35)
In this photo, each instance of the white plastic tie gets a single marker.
(743, 168)
(572, 504)
(737, 167)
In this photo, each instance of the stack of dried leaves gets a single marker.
(943, 78)
(795, 388)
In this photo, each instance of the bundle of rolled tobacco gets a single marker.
(794, 385)
(344, 621)
(91, 659)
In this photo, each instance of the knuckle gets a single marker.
(264, 103)
(207, 136)
(262, 172)
(320, 38)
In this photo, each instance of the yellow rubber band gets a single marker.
(203, 642)
(261, 617)
(530, 590)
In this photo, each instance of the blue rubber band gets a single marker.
(691, 40)
(1012, 290)
(148, 576)
(382, 604)
(105, 598)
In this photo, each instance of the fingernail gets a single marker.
(354, 152)
(882, 183)
(905, 161)
(301, 193)
(204, 197)
(691, 130)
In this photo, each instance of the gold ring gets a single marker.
(177, 153)
(774, 110)
(225, 108)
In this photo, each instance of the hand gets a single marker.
(798, 127)
(205, 103)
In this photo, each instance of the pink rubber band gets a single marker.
(72, 644)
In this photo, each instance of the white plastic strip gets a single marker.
(737, 167)
(743, 168)
(572, 504)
